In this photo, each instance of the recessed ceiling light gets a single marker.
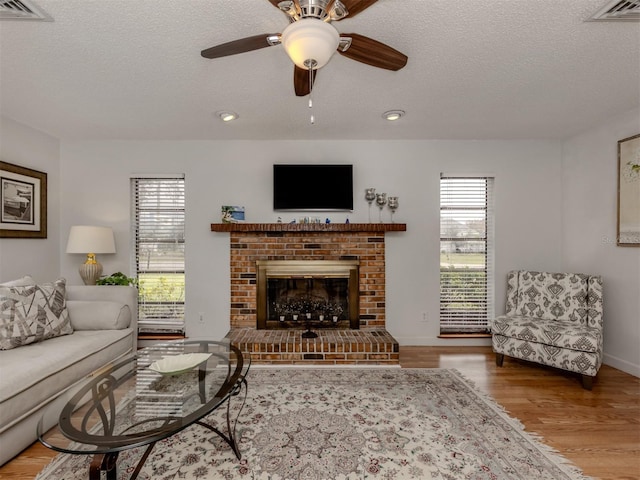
(227, 116)
(393, 115)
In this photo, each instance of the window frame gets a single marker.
(165, 314)
(475, 308)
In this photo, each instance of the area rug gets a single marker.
(306, 424)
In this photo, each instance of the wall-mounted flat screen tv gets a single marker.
(312, 187)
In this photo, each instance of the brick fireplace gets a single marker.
(252, 245)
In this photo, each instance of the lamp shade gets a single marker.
(310, 40)
(88, 239)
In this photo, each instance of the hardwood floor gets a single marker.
(598, 430)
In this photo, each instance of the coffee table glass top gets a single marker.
(147, 397)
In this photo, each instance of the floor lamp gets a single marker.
(90, 240)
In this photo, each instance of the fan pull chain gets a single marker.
(312, 119)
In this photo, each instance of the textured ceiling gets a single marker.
(478, 69)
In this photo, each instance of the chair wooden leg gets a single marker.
(587, 382)
(499, 359)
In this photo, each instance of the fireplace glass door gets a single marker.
(294, 294)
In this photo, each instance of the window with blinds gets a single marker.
(466, 254)
(158, 210)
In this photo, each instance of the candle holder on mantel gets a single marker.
(381, 201)
(392, 203)
(370, 196)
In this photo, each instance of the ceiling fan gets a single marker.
(310, 40)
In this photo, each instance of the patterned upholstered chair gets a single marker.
(553, 319)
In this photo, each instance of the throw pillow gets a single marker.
(33, 313)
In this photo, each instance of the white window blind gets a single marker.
(466, 254)
(158, 206)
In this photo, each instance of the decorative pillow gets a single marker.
(33, 313)
(98, 315)
(20, 282)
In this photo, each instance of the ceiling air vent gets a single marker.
(619, 10)
(22, 10)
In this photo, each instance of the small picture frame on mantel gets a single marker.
(628, 234)
(232, 214)
(23, 202)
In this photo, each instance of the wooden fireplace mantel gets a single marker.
(308, 227)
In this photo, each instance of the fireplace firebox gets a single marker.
(297, 293)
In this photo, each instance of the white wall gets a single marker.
(40, 258)
(555, 208)
(589, 182)
(95, 190)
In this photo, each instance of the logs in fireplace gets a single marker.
(307, 293)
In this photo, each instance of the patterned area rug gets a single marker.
(350, 424)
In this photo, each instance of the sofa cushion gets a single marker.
(553, 296)
(33, 313)
(557, 333)
(93, 315)
(36, 373)
(20, 282)
(584, 363)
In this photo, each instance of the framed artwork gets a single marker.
(232, 214)
(23, 202)
(629, 192)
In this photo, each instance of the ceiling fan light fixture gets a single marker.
(393, 115)
(310, 43)
(227, 116)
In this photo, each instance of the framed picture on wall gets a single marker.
(629, 192)
(23, 202)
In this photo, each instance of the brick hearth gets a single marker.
(337, 347)
(370, 344)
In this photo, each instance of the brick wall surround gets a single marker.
(371, 344)
(367, 247)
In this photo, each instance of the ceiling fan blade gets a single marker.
(367, 50)
(291, 9)
(301, 81)
(239, 46)
(356, 6)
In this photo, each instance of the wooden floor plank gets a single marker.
(598, 430)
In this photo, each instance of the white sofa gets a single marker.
(37, 375)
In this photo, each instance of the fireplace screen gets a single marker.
(291, 294)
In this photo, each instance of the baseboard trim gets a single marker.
(442, 342)
(621, 364)
(464, 335)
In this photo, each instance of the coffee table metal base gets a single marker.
(103, 463)
(107, 463)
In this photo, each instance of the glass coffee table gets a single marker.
(148, 397)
